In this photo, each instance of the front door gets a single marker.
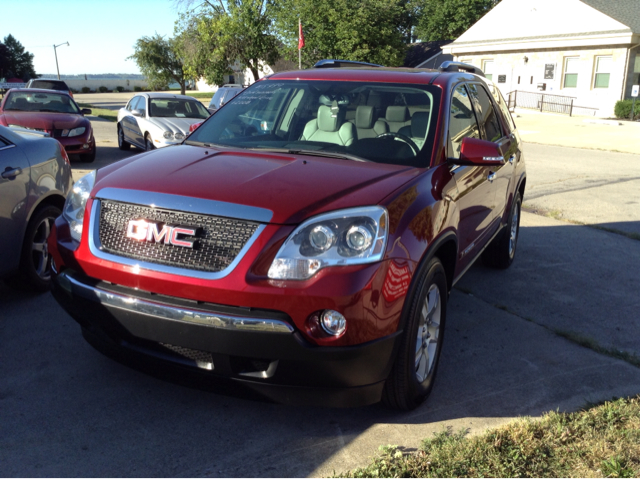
(475, 196)
(15, 176)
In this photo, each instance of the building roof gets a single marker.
(418, 53)
(626, 12)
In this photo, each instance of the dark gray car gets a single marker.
(35, 177)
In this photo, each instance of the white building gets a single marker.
(585, 49)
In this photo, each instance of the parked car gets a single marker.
(224, 94)
(35, 179)
(156, 120)
(49, 84)
(303, 241)
(52, 112)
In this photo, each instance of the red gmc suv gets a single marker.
(303, 240)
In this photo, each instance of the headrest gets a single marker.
(419, 124)
(374, 100)
(364, 117)
(330, 118)
(397, 113)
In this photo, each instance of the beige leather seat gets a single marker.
(367, 125)
(418, 128)
(330, 127)
(397, 117)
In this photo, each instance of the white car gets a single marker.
(155, 120)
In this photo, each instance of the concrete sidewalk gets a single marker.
(578, 131)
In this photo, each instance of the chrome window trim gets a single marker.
(187, 204)
(96, 249)
(6, 147)
(172, 313)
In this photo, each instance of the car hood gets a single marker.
(293, 187)
(174, 125)
(44, 121)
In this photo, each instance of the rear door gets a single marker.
(476, 195)
(14, 184)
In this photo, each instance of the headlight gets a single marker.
(168, 135)
(76, 201)
(340, 238)
(76, 131)
(179, 136)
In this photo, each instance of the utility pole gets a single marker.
(56, 54)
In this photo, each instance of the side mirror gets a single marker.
(479, 153)
(139, 113)
(86, 111)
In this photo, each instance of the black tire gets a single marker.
(122, 144)
(148, 143)
(405, 388)
(89, 157)
(502, 250)
(35, 262)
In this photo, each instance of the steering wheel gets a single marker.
(403, 138)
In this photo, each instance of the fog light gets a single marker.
(333, 322)
(85, 146)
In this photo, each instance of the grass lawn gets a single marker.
(111, 115)
(201, 95)
(601, 441)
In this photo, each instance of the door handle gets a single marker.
(10, 173)
(511, 158)
(491, 177)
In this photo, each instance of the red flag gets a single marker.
(300, 36)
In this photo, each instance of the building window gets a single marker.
(487, 68)
(570, 72)
(603, 72)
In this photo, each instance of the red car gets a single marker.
(52, 112)
(303, 241)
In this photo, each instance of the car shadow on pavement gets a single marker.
(69, 411)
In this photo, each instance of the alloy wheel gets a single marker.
(428, 332)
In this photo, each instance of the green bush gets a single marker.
(137, 88)
(623, 109)
(85, 89)
(103, 89)
(120, 89)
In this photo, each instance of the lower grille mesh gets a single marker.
(201, 358)
(219, 239)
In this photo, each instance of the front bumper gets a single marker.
(75, 145)
(206, 343)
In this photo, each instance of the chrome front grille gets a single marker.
(219, 239)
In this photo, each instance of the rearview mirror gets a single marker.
(86, 111)
(479, 153)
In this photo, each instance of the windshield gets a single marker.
(381, 122)
(173, 108)
(46, 102)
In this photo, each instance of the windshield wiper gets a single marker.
(321, 153)
(198, 143)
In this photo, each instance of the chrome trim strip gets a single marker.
(187, 204)
(185, 315)
(6, 147)
(96, 249)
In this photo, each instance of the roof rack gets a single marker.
(342, 64)
(457, 66)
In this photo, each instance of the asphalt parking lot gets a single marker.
(65, 410)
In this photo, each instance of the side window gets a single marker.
(142, 105)
(132, 103)
(215, 101)
(485, 112)
(462, 121)
(504, 108)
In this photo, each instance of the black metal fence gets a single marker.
(547, 102)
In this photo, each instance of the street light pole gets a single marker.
(56, 54)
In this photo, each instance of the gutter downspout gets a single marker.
(626, 71)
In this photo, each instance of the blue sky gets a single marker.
(101, 34)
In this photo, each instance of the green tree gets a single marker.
(218, 35)
(374, 31)
(160, 61)
(16, 60)
(448, 19)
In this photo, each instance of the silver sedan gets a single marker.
(155, 120)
